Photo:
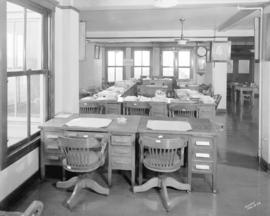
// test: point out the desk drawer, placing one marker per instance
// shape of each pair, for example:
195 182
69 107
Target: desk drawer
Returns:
50 141
202 167
121 162
53 159
52 136
85 134
120 151
122 140
202 155
202 143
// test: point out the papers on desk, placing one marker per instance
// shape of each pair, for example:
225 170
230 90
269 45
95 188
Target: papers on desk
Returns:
89 122
63 115
168 125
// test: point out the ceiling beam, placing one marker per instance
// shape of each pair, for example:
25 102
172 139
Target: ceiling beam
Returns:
234 19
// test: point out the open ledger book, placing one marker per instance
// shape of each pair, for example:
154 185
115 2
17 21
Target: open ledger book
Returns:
168 125
89 122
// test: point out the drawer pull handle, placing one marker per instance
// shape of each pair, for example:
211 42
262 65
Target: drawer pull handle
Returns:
51 147
202 155
52 136
202 167
202 143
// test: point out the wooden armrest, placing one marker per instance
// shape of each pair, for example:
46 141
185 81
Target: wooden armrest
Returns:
35 209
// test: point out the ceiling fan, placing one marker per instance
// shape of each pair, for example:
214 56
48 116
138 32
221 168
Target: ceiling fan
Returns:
182 40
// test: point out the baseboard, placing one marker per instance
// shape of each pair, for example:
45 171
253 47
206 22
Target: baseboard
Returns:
264 165
16 194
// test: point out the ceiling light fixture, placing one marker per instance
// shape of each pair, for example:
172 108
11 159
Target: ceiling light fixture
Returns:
182 40
165 3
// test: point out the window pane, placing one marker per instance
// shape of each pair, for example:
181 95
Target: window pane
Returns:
33 40
111 58
168 72
118 74
15 37
17 109
137 72
137 58
184 58
167 58
146 71
119 58
146 58
111 74
37 102
183 73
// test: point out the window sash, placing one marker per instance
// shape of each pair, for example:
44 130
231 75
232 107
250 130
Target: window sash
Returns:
176 64
16 151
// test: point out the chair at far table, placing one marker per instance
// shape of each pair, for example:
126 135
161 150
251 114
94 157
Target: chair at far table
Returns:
34 209
136 108
162 155
91 108
82 155
183 110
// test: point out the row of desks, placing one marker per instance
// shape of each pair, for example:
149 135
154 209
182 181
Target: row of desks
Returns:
123 138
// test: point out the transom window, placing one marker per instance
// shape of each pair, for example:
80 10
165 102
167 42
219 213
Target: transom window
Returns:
115 65
177 64
141 63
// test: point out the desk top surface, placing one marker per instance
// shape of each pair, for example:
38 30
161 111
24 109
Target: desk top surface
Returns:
199 126
133 124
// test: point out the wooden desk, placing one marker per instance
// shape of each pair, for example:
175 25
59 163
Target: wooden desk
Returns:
202 151
121 138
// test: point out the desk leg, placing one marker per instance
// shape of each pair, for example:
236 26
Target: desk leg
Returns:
235 96
141 166
189 163
241 97
109 166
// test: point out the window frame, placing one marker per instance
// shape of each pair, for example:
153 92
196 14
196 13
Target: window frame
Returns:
176 66
107 66
11 154
150 60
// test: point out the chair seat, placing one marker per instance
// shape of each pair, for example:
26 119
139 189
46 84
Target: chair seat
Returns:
154 163
92 163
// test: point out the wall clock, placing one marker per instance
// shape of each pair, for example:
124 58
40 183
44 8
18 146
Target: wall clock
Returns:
201 51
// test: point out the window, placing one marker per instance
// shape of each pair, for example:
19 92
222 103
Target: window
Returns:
24 76
115 65
168 63
177 63
141 63
184 65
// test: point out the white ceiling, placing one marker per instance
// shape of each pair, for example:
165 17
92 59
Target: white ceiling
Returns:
142 15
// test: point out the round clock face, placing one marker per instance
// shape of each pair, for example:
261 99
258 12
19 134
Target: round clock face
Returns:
201 51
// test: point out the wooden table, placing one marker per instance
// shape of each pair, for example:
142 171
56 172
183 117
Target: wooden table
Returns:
202 151
241 89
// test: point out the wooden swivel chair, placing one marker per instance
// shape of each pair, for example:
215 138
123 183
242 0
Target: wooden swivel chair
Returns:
34 209
183 110
82 155
91 108
136 108
162 155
